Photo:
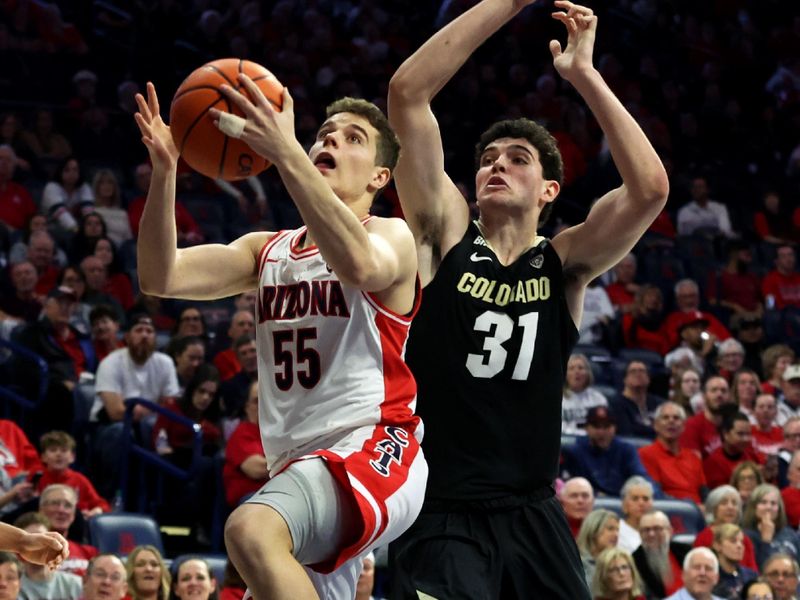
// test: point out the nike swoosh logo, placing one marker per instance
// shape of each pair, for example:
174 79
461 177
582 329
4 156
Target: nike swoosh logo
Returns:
474 257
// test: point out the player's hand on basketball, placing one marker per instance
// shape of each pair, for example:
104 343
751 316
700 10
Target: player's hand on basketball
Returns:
155 133
44 548
267 130
581 24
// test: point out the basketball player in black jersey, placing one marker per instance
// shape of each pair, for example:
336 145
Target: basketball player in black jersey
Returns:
499 318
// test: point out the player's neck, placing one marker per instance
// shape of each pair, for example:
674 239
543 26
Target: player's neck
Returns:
508 238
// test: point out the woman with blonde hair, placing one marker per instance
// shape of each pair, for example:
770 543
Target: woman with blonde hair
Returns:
729 548
774 361
685 386
745 477
615 576
579 395
600 530
745 388
108 204
148 575
766 525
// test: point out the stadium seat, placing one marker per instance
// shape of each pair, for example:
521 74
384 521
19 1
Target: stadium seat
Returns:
216 562
609 503
122 532
636 442
684 515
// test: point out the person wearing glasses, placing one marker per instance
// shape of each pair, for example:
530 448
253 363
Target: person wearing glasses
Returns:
616 577
658 560
43 581
780 571
58 503
105 579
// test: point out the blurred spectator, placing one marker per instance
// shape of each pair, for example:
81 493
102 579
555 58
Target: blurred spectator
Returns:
749 331
781 287
41 253
637 499
105 331
767 435
19 251
745 478
730 359
744 388
736 288
579 395
190 322
85 97
702 213
72 277
108 204
599 456
724 505
22 304
700 576
246 468
366 581
233 586
233 190
59 503
58 453
642 326
622 291
791 444
48 146
635 406
736 447
188 353
701 435
693 335
577 498
677 470
148 575
193 580
157 309
772 223
136 371
105 579
791 492
597 314
67 196
657 559
242 323
790 403
615 576
599 531
234 391
11 134
764 522
41 581
687 302
781 572
96 275
686 387
775 359
91 227
189 232
68 354
18 461
10 574
118 283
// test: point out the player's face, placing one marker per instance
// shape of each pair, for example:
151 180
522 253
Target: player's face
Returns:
344 152
510 174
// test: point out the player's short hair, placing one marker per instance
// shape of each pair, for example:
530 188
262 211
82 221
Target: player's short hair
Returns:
387 144
57 439
545 144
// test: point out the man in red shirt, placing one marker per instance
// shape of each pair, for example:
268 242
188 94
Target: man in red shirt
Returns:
701 435
58 503
226 361
677 470
41 254
791 493
781 287
737 447
687 300
577 498
622 291
767 436
16 205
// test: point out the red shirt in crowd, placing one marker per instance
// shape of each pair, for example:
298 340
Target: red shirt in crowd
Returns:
79 557
227 364
636 336
244 442
16 205
767 442
679 475
180 436
184 221
784 288
700 435
719 465
47 280
706 538
676 318
88 498
17 454
618 294
791 501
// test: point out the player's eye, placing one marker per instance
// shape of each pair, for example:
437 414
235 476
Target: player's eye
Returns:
355 139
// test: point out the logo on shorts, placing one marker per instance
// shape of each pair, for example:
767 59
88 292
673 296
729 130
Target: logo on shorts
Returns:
390 450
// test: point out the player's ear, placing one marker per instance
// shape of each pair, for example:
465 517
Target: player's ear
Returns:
550 189
380 178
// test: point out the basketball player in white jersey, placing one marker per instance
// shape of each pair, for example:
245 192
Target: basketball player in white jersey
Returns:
335 301
507 302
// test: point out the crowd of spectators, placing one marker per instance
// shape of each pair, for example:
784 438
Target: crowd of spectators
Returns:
685 380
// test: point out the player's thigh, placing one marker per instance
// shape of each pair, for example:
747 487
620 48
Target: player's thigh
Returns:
540 557
445 556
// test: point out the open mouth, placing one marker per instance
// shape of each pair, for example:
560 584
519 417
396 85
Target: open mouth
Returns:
324 162
496 182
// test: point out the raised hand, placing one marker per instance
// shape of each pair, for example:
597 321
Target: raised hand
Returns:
155 133
267 130
581 24
44 548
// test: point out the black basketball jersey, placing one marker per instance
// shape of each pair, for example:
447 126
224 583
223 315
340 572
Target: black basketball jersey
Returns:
489 348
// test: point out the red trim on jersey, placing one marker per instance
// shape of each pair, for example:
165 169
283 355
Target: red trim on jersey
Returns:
262 254
372 299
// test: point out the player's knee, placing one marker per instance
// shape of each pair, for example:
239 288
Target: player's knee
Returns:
255 530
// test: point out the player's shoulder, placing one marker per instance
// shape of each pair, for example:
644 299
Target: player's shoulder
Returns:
254 241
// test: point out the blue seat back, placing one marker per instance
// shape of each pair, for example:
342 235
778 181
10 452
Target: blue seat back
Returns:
121 532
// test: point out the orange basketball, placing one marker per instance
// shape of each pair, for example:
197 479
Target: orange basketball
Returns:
204 147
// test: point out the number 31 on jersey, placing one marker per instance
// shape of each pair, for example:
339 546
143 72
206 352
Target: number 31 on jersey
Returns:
485 367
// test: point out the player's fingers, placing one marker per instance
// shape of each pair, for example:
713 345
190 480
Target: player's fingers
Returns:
152 99
143 108
144 126
568 22
254 91
288 101
240 100
555 48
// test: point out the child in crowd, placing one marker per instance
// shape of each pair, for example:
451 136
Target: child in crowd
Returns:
58 453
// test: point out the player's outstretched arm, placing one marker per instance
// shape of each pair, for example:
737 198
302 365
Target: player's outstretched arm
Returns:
375 258
620 217
433 206
203 272
41 548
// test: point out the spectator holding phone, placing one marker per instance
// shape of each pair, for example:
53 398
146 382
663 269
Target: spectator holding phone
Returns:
18 459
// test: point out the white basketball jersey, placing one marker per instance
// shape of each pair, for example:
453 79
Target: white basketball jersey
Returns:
330 357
